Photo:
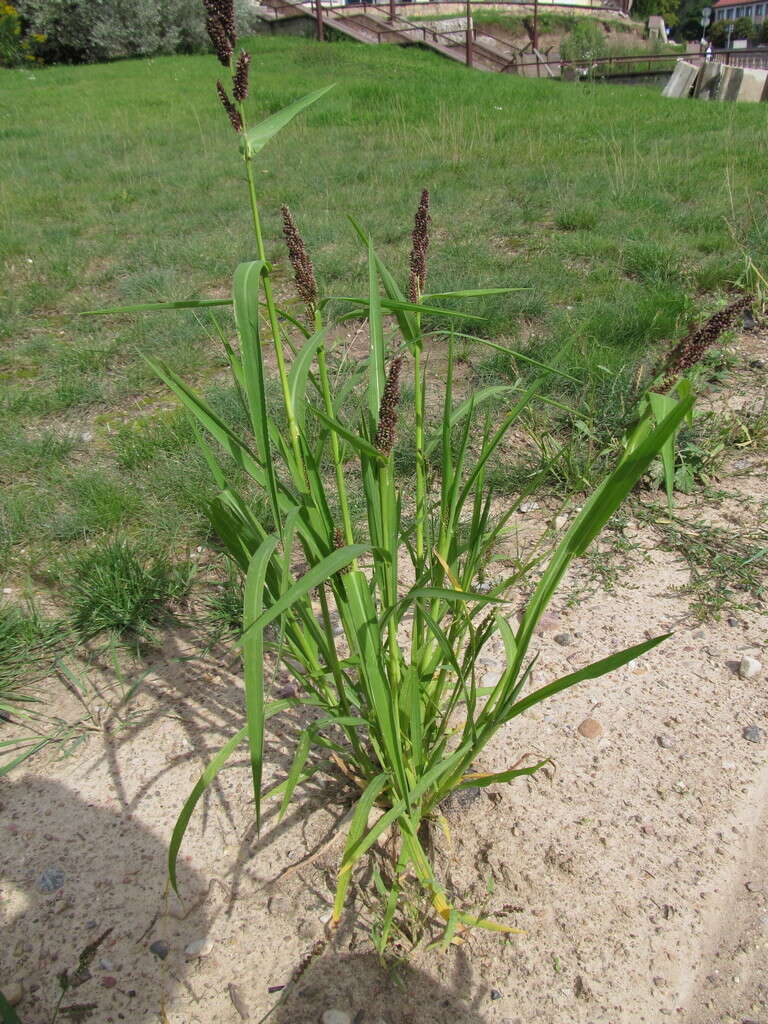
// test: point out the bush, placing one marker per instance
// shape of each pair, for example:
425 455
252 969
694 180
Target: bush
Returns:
83 31
718 33
745 28
16 48
584 43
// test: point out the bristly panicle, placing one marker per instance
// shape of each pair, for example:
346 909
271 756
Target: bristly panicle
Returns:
240 78
418 261
303 271
220 25
231 109
688 352
385 432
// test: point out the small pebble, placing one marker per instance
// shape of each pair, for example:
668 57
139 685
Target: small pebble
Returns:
51 880
198 948
560 522
106 965
665 741
336 1017
13 992
495 994
160 949
749 667
590 729
753 734
563 639
529 506
108 981
733 622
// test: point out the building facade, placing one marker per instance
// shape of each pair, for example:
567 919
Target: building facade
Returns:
726 10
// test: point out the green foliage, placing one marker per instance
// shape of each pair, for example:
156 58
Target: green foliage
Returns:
584 43
717 33
668 9
118 589
745 28
16 46
27 642
389 667
81 31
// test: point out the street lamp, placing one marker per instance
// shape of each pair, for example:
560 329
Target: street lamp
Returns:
469 34
706 14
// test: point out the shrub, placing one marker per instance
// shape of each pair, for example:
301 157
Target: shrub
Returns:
584 43
378 606
745 28
16 47
82 31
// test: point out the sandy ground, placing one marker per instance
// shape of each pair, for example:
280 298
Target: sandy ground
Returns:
638 868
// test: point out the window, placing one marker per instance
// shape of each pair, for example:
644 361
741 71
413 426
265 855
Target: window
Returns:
759 10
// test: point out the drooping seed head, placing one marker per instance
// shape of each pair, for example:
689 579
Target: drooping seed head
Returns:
688 352
420 239
240 78
385 432
303 271
220 25
232 111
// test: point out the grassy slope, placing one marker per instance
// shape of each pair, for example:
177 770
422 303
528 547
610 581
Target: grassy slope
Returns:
619 210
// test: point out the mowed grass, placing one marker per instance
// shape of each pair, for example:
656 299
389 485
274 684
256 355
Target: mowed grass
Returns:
620 213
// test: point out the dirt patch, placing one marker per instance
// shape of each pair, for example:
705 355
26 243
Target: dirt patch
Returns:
636 868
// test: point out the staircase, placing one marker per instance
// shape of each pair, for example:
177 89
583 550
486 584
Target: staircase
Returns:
488 52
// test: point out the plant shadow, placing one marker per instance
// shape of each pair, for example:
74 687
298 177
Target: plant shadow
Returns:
71 871
370 992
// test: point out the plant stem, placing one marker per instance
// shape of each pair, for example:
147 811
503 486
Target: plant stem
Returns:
341 485
269 301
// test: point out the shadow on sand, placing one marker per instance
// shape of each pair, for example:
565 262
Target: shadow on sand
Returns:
68 872
358 984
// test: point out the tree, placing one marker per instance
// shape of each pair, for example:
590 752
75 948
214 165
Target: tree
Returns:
668 9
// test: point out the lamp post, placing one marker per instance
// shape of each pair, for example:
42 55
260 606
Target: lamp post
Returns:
706 14
319 19
469 33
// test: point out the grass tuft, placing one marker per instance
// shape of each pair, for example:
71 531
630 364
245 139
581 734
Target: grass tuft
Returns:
115 588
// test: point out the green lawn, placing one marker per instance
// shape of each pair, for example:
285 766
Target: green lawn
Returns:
621 213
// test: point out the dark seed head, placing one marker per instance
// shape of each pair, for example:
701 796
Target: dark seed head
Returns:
232 112
420 238
220 25
240 79
385 432
690 351
303 271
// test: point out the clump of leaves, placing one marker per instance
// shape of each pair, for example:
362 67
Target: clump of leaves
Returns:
377 614
118 589
27 645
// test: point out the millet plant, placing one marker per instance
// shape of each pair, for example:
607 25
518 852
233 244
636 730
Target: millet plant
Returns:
395 705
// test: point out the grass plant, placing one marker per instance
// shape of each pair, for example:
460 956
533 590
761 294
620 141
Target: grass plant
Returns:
114 588
557 191
393 693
